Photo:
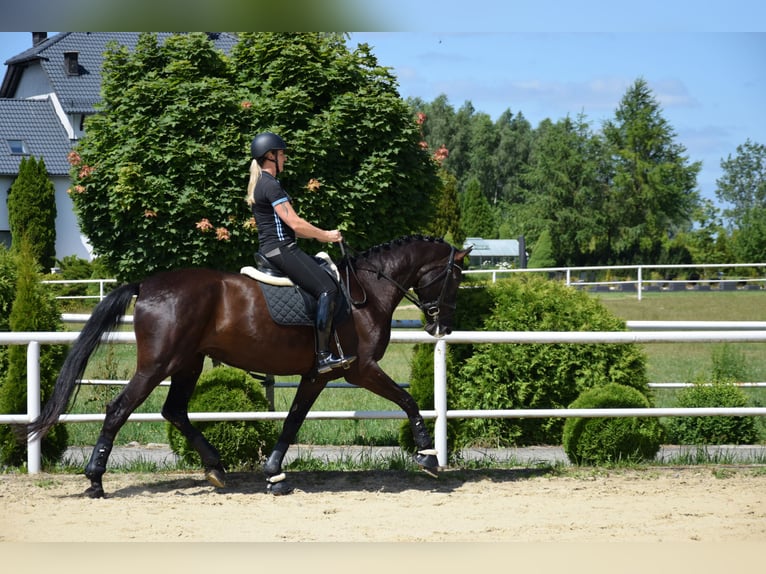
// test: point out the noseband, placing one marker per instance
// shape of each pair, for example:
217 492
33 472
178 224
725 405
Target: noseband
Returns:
432 308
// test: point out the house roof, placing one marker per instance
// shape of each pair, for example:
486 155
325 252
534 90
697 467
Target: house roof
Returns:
492 247
79 93
35 123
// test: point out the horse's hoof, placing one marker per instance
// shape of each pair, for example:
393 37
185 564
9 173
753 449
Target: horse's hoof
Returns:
428 463
94 491
279 488
216 477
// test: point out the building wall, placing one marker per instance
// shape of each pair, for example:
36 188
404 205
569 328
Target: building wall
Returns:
69 240
34 82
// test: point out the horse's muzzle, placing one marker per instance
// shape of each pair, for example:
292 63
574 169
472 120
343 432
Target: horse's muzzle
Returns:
437 330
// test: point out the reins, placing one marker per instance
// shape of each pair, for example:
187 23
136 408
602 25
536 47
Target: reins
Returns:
430 308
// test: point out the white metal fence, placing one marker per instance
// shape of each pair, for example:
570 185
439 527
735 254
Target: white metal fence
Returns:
638 278
632 278
751 333
100 282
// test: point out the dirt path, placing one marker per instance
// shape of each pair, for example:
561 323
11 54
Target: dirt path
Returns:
708 504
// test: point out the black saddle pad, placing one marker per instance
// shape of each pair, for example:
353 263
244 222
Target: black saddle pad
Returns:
291 305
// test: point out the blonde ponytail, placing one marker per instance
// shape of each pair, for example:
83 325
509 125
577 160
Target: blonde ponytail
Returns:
255 175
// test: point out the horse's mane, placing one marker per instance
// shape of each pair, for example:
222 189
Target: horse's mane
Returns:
395 243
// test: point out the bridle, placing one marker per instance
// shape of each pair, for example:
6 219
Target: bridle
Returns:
430 309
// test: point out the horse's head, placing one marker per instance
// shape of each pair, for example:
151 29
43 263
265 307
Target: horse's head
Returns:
436 290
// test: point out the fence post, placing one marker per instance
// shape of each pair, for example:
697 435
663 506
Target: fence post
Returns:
640 286
34 442
440 400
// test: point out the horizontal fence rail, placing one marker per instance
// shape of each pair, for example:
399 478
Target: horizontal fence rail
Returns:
440 413
101 287
635 277
629 278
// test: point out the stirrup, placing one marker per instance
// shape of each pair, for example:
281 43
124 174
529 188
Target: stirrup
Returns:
326 362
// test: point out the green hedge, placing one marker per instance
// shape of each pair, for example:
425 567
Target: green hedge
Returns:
712 429
526 376
597 441
241 444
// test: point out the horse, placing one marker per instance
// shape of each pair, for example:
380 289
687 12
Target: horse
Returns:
183 316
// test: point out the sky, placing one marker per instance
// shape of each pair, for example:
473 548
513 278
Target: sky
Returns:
711 87
710 83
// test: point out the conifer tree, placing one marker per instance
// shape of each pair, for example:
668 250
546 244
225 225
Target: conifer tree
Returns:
32 210
33 310
478 218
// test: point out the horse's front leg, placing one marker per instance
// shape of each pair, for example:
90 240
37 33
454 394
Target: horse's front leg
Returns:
374 379
307 393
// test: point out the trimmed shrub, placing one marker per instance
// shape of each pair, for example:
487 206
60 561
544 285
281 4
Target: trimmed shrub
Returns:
597 441
241 444
539 376
712 429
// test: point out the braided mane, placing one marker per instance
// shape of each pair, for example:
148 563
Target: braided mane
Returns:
394 243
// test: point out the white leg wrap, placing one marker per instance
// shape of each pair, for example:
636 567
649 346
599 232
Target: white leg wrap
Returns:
428 452
276 478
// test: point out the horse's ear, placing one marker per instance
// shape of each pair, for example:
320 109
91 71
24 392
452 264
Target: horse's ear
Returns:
460 255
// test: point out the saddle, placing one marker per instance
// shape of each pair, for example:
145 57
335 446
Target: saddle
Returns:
288 304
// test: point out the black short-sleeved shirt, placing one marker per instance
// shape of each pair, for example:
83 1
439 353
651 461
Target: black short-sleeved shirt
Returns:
272 231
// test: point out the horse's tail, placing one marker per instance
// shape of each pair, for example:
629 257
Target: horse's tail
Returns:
104 318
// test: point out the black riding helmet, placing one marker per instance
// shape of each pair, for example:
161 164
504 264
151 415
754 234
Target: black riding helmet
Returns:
264 143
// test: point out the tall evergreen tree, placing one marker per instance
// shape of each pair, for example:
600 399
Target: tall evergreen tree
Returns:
33 309
511 157
566 181
446 223
32 210
653 190
478 218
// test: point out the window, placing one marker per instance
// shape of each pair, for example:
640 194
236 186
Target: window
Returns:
18 146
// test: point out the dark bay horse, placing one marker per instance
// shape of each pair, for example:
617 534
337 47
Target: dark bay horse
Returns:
182 316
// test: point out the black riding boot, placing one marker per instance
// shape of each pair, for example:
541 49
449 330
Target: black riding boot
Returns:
326 361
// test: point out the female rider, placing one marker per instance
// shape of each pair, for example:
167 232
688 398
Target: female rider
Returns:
278 226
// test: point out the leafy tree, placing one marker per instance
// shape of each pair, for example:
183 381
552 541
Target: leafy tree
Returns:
707 240
653 189
346 127
32 210
743 183
749 239
160 176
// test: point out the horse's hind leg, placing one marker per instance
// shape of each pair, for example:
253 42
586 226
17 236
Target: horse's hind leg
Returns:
176 411
305 396
117 413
